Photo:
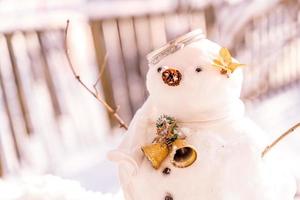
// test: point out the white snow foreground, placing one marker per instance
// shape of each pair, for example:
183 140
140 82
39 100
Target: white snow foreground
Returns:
49 187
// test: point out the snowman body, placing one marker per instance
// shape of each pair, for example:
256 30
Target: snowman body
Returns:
210 114
228 167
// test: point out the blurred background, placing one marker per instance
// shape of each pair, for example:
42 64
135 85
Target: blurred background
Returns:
50 124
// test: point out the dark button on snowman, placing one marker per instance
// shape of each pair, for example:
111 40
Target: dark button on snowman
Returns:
166 171
193 126
168 197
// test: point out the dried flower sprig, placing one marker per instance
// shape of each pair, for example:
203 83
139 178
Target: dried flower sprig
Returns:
166 130
225 63
95 93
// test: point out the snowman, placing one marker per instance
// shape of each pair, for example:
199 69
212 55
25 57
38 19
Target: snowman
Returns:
190 140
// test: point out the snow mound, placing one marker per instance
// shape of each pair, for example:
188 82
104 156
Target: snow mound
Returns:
49 187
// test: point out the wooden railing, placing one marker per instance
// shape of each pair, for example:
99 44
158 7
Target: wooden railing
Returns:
21 68
270 46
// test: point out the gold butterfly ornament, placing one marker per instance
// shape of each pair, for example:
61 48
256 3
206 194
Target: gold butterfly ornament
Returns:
224 62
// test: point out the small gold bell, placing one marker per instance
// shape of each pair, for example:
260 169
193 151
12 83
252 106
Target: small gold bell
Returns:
182 155
156 153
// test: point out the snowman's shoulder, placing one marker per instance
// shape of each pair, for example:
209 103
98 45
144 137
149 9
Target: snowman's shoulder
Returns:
252 131
248 136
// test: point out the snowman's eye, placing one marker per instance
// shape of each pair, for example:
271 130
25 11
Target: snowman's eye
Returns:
159 69
198 69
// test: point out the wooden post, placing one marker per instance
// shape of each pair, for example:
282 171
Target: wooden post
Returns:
1 170
100 52
18 82
48 76
10 120
125 68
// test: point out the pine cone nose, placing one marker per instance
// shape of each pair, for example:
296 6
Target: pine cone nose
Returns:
171 77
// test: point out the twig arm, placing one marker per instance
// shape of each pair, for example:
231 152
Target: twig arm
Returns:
269 147
95 94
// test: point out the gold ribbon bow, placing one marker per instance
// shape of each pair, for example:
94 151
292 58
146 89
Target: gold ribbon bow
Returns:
225 63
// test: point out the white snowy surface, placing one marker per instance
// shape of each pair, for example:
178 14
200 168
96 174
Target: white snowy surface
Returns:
91 168
84 176
49 187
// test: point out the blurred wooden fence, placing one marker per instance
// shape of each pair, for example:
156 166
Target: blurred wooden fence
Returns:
40 98
42 110
270 46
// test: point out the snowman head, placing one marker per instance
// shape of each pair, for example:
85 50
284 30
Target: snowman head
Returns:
185 82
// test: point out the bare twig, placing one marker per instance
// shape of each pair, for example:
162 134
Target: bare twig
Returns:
269 147
94 94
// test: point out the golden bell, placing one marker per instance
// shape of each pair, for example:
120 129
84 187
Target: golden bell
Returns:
156 153
182 155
